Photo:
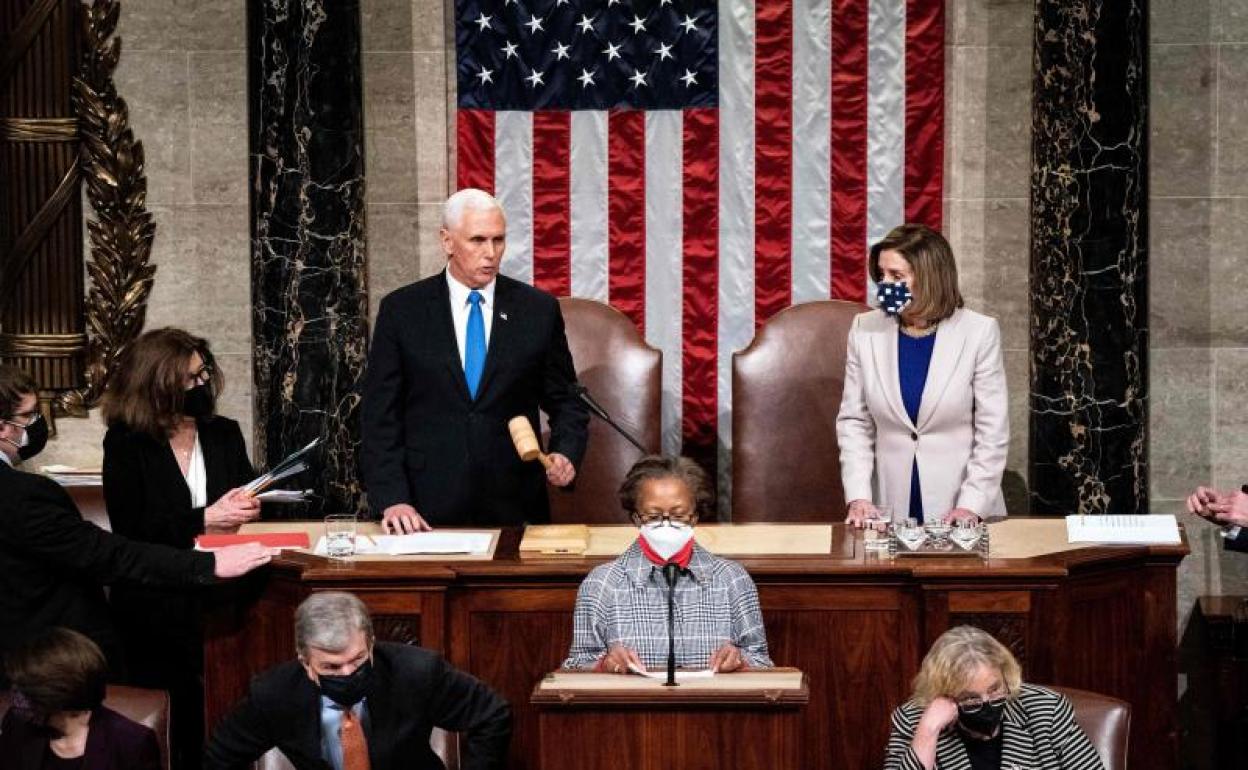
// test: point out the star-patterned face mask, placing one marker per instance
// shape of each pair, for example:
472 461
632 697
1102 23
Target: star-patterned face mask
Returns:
893 297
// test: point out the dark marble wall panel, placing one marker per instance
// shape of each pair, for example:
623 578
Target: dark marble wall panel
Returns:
1089 258
307 224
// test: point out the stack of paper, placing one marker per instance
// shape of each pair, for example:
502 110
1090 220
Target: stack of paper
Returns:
1159 529
68 476
285 496
418 543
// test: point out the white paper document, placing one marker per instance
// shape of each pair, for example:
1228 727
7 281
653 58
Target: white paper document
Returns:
418 543
681 676
1159 529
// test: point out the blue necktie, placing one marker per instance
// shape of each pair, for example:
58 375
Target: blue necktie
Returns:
474 344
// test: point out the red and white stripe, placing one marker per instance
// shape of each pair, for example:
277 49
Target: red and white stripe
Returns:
701 224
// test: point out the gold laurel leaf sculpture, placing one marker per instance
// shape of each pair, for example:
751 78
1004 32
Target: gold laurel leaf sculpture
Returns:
116 186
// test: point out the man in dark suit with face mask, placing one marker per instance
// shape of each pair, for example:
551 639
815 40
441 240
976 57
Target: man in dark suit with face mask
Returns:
53 564
349 703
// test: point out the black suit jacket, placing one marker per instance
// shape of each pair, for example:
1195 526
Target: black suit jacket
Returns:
53 565
428 444
113 743
414 691
145 491
148 500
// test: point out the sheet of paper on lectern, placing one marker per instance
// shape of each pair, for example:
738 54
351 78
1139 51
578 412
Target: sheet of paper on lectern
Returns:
681 676
722 539
419 543
1155 529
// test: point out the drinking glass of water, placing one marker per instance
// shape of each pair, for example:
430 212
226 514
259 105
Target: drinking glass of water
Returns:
938 534
340 535
875 528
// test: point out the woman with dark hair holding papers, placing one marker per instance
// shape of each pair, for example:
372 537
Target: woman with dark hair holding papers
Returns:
620 621
173 469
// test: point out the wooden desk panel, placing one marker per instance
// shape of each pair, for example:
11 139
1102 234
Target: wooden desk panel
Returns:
1101 619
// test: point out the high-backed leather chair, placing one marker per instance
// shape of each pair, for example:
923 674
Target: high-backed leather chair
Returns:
90 501
445 745
1106 720
147 707
786 392
622 373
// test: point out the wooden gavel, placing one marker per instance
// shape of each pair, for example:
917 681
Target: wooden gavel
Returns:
525 439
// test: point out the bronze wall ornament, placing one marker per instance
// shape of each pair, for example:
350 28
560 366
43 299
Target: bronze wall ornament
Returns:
122 232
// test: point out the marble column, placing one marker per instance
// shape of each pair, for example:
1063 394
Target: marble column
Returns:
1089 258
309 300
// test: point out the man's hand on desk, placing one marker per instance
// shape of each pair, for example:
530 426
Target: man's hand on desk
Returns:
401 519
617 659
727 658
236 560
858 512
561 471
960 514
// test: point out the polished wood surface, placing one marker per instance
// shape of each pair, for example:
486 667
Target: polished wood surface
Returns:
1100 619
690 727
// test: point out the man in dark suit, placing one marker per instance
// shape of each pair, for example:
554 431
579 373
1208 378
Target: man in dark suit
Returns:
454 358
53 565
1227 508
348 703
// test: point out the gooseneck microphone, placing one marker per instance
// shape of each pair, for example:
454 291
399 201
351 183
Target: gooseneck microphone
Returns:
582 393
671 573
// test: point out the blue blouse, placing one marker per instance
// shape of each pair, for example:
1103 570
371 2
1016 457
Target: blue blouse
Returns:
914 358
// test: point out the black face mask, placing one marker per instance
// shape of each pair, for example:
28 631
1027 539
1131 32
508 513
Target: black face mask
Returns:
986 719
198 402
36 440
349 689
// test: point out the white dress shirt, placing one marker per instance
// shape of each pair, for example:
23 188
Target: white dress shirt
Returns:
460 307
197 476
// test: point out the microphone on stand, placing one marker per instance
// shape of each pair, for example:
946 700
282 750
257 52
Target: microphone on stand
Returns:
582 393
671 573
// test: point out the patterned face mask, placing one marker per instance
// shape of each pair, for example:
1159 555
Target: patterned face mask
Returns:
893 297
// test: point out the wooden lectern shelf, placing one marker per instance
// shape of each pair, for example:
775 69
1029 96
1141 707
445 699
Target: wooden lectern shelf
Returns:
776 686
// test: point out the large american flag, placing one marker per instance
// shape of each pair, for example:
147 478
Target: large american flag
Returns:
701 166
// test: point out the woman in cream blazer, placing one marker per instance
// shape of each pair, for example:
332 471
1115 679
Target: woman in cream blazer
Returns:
925 396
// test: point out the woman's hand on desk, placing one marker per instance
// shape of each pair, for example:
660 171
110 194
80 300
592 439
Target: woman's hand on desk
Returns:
234 509
727 658
858 512
960 514
618 658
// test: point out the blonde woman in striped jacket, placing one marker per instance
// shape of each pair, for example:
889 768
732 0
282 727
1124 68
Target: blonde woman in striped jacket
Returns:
971 711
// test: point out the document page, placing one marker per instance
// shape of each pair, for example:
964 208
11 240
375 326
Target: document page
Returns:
681 676
1159 529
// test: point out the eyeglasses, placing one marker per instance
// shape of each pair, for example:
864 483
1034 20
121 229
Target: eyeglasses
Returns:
678 516
203 376
973 705
31 419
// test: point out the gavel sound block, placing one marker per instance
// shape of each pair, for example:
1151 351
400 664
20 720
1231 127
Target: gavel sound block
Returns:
525 439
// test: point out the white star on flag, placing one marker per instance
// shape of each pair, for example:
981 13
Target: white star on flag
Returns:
560 51
483 21
586 78
688 78
534 78
612 51
688 23
585 24
638 24
664 51
509 50
639 78
534 24
485 76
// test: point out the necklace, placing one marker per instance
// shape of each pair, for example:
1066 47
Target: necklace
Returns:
916 333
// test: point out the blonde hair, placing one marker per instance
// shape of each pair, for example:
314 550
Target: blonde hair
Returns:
936 293
954 660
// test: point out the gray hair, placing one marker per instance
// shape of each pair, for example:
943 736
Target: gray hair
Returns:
469 198
327 620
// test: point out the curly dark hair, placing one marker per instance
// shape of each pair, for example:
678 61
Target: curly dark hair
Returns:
146 392
654 467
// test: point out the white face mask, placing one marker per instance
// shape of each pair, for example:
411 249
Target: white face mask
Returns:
666 537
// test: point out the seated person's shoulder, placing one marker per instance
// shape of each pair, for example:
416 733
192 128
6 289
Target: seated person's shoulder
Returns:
907 714
126 733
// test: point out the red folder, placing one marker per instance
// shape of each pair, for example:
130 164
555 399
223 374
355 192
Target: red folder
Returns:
269 539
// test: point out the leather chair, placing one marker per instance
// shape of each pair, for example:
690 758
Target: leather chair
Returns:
445 745
622 373
90 501
1106 720
786 392
147 707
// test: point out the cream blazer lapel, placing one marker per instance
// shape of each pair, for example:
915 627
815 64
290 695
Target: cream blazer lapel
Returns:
946 354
